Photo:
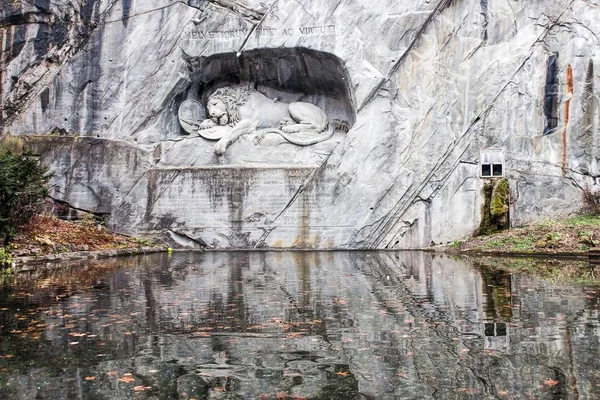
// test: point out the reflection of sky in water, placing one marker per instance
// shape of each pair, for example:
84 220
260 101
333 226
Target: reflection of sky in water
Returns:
310 325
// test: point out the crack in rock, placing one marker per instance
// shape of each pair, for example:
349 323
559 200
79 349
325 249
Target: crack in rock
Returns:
234 7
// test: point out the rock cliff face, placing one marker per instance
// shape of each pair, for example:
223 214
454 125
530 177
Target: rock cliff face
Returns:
425 101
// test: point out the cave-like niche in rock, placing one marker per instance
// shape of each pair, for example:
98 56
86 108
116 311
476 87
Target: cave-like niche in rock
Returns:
282 75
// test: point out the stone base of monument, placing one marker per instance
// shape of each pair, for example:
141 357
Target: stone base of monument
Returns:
235 207
209 206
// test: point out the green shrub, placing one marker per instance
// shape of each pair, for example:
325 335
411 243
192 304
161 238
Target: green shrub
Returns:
22 187
5 259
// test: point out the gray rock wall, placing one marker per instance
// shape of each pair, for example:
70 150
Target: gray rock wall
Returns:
424 87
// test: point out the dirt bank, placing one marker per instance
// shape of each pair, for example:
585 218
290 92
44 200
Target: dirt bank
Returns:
47 237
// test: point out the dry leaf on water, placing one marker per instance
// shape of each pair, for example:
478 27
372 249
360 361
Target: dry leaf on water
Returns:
127 379
550 382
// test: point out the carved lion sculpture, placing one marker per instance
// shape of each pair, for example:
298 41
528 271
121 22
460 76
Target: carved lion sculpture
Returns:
248 111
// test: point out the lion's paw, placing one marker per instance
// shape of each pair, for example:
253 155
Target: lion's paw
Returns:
259 138
207 124
220 148
289 129
285 122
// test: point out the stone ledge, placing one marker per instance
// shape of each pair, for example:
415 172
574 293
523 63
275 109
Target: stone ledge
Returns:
30 263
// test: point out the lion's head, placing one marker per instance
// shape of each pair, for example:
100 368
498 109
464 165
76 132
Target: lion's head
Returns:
224 104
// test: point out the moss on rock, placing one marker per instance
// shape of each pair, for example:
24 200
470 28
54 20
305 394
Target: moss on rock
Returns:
499 202
495 213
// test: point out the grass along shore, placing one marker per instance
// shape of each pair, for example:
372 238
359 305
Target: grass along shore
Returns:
575 235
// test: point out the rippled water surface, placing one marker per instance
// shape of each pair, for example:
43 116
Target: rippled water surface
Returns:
297 325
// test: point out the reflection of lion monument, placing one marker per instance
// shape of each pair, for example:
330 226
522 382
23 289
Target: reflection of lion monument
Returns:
247 111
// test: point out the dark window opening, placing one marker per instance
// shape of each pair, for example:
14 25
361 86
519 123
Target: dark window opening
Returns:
486 170
492 170
495 329
497 169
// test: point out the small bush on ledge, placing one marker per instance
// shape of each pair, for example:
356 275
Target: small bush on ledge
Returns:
5 258
590 202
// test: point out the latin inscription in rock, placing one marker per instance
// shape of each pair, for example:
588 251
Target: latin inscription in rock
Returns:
241 33
221 196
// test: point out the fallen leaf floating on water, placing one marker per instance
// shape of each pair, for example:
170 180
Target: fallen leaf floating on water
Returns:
89 378
343 373
127 378
141 388
550 382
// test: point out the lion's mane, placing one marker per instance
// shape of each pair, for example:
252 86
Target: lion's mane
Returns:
233 97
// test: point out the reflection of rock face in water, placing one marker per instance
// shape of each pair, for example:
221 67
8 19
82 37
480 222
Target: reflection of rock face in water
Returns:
316 325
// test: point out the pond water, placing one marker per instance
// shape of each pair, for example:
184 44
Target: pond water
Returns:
295 325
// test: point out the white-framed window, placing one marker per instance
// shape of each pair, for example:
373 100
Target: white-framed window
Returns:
491 162
495 336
